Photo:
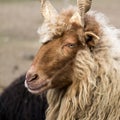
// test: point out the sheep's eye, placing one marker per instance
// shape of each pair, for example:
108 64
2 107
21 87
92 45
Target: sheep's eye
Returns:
71 45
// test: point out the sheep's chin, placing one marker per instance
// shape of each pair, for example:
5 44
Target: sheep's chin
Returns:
39 91
42 87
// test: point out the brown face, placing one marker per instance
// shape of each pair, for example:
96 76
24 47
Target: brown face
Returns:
52 66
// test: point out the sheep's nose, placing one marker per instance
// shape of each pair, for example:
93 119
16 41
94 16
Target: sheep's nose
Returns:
31 75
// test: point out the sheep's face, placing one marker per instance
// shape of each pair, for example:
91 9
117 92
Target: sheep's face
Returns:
54 62
69 33
52 66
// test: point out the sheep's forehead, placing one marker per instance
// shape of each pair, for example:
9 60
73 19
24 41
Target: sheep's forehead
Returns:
56 26
49 29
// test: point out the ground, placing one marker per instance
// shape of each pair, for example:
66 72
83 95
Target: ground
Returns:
19 21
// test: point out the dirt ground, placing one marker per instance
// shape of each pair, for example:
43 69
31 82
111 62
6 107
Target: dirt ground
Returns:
18 37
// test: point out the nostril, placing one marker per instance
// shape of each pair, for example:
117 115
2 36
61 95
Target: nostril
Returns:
31 77
34 77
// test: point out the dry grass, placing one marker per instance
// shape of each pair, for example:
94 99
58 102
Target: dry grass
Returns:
18 38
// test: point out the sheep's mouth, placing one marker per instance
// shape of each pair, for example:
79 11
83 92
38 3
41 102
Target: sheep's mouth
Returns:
38 88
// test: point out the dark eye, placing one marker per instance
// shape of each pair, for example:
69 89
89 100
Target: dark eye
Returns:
71 45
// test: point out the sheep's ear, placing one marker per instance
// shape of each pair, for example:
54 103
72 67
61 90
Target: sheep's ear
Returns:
91 39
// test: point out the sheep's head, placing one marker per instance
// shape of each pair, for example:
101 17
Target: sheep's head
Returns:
53 64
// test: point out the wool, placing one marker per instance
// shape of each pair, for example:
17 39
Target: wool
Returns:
95 91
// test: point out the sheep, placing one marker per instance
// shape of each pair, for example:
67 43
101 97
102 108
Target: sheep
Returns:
16 103
78 64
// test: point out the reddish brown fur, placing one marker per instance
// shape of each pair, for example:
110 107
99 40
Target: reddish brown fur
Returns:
55 58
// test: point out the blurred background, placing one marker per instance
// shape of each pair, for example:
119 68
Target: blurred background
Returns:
19 21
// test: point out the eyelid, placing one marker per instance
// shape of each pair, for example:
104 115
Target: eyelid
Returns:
71 45
46 42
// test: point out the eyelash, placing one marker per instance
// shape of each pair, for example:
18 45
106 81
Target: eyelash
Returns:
70 45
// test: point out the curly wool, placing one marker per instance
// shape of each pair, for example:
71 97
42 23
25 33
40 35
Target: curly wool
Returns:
95 92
